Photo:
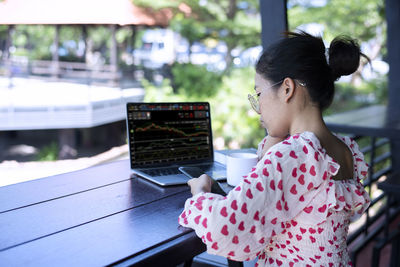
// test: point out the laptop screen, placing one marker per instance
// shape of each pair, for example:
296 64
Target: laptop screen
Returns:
167 133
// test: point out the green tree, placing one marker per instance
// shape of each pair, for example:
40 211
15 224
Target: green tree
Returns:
234 22
360 19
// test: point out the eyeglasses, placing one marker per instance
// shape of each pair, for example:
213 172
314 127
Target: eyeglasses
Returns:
253 98
255 104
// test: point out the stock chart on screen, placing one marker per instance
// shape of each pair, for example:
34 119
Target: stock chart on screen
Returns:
167 133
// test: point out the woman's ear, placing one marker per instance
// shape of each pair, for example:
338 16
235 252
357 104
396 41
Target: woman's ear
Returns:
289 87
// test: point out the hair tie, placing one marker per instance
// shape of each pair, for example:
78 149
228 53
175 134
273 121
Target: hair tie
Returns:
327 55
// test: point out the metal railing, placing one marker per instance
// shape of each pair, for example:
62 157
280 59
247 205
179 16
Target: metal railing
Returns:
60 70
378 156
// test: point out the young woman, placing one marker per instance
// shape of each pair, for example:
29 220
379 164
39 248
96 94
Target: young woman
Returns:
295 206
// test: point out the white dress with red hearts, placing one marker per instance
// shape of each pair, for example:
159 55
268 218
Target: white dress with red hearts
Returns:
287 211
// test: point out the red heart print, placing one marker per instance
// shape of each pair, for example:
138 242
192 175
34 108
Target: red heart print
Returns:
321 249
358 192
234 205
197 219
302 230
223 212
325 176
274 220
278 154
310 186
253 229
291 264
293 154
263 220
341 198
279 262
312 170
210 208
299 237
224 230
320 230
278 167
254 175
256 216
316 156
244 208
313 260
235 239
296 248
272 184
305 150
232 219
303 167
278 205
247 249
198 206
271 260
312 230
259 187
312 239
204 223
215 245
301 179
294 223
265 172
301 198
308 209
208 236
293 190
267 161
294 172
238 188
280 187
329 254
286 207
232 254
322 209
241 226
261 241
290 235
249 194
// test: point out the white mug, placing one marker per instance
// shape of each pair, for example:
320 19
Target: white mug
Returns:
239 165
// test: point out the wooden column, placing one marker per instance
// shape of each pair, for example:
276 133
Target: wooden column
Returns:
393 46
273 20
55 58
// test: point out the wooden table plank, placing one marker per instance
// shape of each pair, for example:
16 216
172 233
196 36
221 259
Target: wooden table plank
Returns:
70 211
31 192
107 240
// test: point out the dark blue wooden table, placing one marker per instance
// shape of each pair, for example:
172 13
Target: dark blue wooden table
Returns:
94 217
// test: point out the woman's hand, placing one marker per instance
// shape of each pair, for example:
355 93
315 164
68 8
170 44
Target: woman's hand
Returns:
201 184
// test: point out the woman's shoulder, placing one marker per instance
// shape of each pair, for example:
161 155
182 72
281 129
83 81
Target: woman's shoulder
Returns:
297 145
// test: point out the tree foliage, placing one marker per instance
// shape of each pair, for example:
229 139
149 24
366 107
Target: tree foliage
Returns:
360 19
237 23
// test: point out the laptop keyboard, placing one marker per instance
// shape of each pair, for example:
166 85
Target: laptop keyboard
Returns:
214 170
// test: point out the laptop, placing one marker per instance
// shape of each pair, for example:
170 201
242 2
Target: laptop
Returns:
165 136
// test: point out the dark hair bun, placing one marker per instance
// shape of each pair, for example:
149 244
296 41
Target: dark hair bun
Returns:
344 56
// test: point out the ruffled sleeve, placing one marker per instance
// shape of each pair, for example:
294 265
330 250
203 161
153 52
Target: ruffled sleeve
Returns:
279 188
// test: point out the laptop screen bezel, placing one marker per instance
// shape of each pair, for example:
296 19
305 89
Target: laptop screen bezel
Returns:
176 163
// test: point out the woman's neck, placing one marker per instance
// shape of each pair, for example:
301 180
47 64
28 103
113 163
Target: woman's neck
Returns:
309 120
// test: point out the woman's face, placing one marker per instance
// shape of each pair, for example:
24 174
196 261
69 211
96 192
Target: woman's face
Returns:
273 110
